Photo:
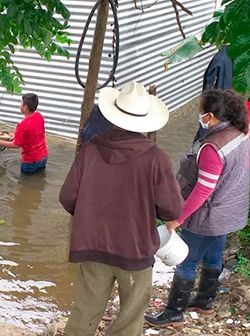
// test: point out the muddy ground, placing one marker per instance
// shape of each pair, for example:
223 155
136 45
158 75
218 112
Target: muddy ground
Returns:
231 315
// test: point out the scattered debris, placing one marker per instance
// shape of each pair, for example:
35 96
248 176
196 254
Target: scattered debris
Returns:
152 332
246 325
194 315
157 303
223 290
229 321
225 275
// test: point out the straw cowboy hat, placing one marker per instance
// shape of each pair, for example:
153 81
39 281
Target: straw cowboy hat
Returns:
132 108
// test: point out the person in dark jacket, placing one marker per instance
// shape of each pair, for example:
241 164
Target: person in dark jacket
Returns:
119 183
214 180
218 75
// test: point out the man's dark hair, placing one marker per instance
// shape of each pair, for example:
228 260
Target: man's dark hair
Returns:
30 100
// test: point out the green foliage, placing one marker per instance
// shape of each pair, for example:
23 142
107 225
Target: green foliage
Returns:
229 27
244 235
232 29
38 24
190 46
159 222
233 310
243 266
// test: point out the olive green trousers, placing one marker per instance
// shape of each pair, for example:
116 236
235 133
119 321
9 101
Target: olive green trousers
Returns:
93 287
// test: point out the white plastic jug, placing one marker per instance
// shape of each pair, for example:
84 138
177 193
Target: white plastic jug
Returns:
173 250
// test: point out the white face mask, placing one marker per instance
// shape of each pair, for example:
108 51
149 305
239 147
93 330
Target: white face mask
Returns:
203 125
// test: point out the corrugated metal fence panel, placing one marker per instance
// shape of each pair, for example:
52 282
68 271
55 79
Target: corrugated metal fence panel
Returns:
143 37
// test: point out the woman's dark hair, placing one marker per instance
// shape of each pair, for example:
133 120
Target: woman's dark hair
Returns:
30 100
226 106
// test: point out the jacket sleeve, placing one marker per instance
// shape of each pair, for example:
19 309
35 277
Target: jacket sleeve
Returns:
168 199
211 74
70 188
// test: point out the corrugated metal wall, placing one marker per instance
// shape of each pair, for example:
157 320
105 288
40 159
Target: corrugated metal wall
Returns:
144 35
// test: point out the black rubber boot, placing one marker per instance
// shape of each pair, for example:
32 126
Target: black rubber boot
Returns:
177 302
203 301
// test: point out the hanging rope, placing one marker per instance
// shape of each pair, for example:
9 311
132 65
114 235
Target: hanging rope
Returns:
113 6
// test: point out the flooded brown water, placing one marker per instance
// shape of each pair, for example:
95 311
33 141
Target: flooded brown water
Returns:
35 276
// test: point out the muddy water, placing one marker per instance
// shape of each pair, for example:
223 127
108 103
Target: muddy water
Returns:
35 277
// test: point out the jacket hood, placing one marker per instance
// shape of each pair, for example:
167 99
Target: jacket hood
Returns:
118 146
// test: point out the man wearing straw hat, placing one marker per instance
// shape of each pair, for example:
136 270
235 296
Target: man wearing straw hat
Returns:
118 185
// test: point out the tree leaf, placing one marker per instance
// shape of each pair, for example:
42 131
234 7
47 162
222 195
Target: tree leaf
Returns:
247 78
243 11
225 1
183 51
12 48
241 72
2 221
218 13
239 46
240 84
241 62
20 18
27 27
211 32
61 9
12 9
6 55
62 52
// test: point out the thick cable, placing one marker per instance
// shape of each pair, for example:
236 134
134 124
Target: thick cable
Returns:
117 42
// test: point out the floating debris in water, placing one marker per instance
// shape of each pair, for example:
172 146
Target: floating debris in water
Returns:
8 263
23 286
31 313
8 243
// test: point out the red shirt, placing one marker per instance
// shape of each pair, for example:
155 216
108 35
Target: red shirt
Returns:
247 105
30 136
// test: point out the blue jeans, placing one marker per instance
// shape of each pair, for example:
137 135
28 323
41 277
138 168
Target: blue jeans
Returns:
31 168
205 249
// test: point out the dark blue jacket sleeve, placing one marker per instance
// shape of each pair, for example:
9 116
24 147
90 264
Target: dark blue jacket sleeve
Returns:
96 125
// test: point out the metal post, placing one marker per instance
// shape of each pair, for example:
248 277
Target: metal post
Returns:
94 67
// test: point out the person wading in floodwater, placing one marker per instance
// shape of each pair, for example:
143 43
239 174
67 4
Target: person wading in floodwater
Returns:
29 135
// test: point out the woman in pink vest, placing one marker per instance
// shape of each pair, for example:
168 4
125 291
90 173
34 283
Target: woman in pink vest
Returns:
214 180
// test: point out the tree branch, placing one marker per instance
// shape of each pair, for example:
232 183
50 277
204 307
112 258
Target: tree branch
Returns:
176 3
